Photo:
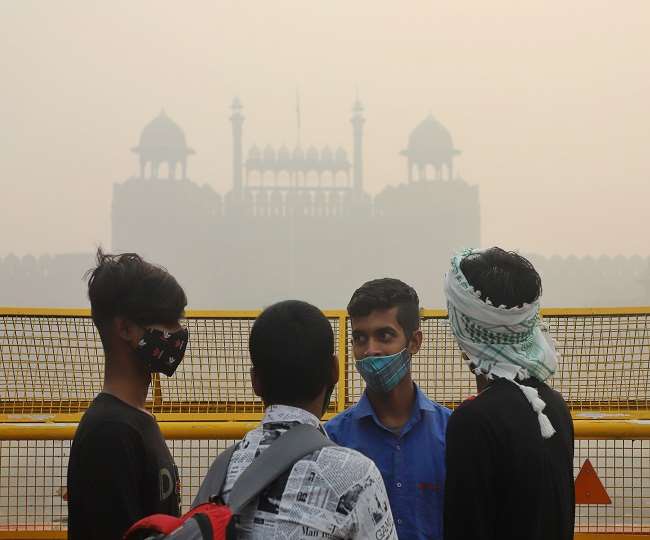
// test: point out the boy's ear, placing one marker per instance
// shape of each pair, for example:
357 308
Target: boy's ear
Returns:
335 369
415 342
127 330
122 328
256 383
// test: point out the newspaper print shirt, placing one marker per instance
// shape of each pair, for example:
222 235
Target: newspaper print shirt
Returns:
332 493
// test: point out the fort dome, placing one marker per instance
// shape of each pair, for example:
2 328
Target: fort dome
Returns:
430 141
162 141
430 146
163 132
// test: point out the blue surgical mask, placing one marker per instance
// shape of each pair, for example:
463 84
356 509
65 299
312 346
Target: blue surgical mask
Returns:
383 373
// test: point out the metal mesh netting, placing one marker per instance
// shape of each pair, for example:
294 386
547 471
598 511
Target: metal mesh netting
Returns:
32 486
54 365
605 363
33 482
623 467
51 365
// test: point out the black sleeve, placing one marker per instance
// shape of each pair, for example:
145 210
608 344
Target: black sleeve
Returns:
112 466
470 499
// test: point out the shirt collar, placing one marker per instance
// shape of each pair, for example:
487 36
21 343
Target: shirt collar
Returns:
364 408
423 402
286 413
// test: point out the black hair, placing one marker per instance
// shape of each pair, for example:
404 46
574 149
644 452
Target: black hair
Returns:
386 293
291 346
504 277
127 286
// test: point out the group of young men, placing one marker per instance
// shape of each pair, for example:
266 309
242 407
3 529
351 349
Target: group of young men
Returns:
396 465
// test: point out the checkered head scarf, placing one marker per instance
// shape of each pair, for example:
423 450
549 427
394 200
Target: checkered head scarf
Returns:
510 343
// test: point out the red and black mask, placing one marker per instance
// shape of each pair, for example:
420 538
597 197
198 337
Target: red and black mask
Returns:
162 351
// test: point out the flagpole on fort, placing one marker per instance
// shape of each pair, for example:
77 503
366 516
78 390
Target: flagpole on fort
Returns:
292 211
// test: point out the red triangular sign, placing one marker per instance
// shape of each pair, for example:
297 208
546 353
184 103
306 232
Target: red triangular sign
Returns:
589 488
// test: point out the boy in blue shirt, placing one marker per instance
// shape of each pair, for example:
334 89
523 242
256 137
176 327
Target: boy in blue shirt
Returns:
394 423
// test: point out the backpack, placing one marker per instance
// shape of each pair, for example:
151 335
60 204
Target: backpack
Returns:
212 520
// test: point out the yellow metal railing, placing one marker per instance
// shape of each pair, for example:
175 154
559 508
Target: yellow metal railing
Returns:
228 430
51 367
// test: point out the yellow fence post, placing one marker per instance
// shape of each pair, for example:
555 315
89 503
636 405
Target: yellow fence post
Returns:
343 365
156 390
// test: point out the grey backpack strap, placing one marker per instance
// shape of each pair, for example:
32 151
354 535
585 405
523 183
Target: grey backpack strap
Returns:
216 478
283 453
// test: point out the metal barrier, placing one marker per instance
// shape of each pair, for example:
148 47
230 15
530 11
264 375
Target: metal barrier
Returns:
51 367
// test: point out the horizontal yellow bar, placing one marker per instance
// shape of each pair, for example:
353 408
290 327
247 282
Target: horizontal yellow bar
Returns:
33 535
189 314
611 414
73 418
567 311
245 314
563 311
44 312
170 430
433 313
612 429
584 429
33 417
206 430
332 313
610 536
222 314
210 417
37 431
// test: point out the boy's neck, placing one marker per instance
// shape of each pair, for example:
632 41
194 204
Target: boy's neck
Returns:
394 408
125 383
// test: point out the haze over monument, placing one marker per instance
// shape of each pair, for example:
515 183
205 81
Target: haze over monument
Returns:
297 217
548 104
293 217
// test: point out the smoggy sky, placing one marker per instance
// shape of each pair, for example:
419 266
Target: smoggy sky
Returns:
548 101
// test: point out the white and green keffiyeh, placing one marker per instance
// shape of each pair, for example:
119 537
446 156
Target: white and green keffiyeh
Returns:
509 343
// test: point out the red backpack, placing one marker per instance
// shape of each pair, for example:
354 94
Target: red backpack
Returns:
210 519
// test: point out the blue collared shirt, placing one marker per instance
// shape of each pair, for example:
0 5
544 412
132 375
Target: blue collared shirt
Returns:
412 463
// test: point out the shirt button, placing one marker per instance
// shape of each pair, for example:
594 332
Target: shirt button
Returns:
399 484
399 521
398 447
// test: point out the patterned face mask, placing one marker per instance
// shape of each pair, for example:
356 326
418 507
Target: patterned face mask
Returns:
162 351
383 373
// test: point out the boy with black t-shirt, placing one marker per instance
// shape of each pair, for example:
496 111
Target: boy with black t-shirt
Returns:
120 468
